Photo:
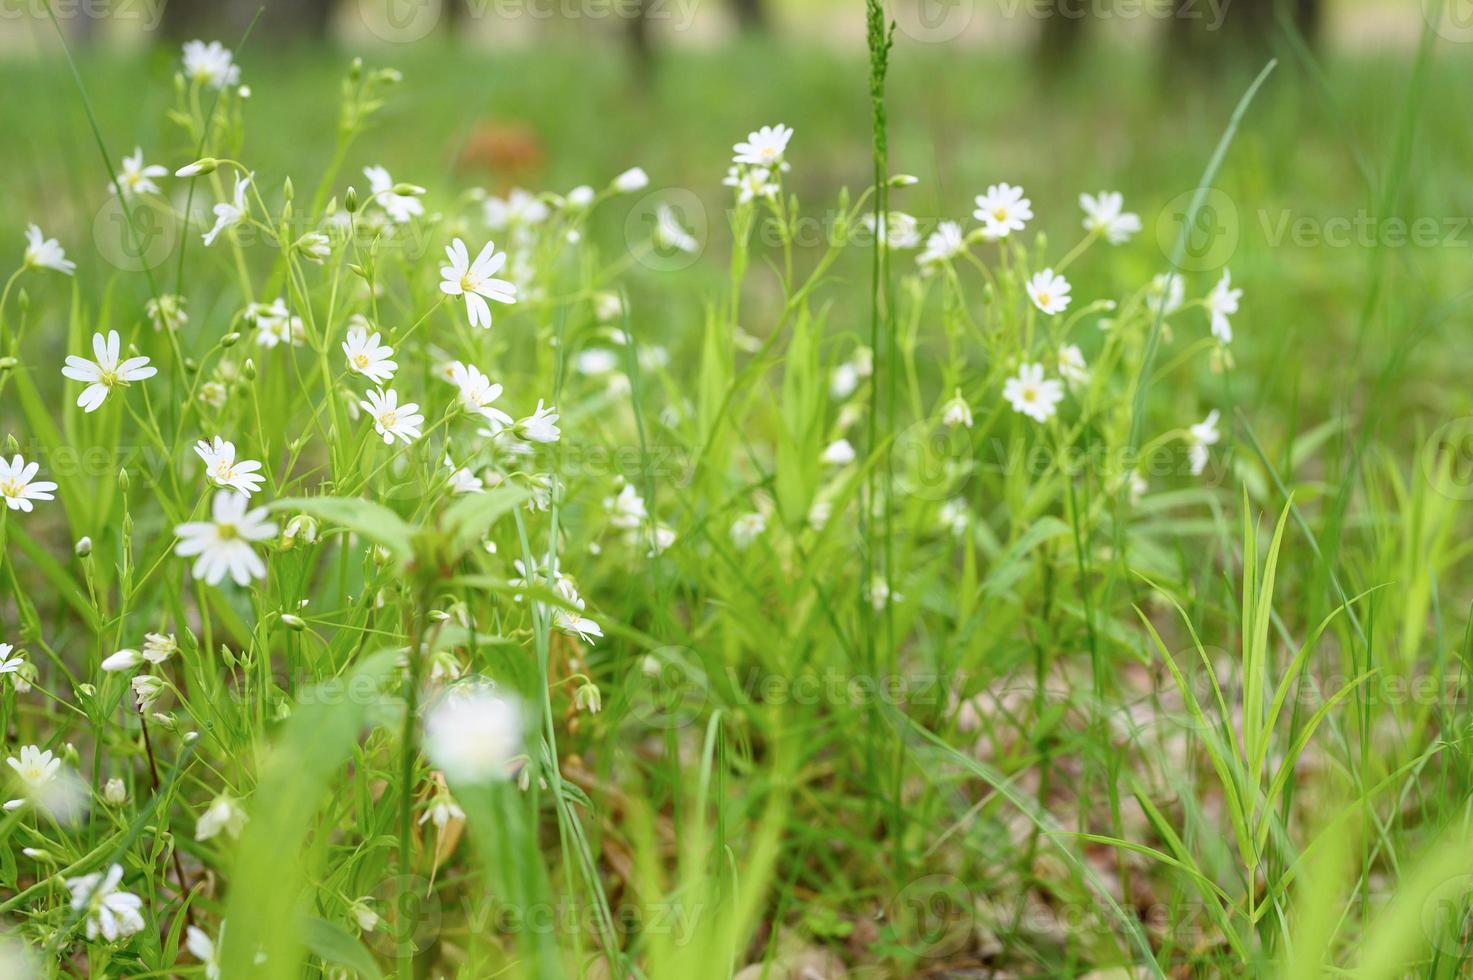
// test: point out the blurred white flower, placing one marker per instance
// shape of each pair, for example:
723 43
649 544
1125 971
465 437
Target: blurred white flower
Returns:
1002 211
18 486
747 529
670 234
205 949
1049 291
224 544
477 394
957 412
631 180
1105 214
135 177
1203 434
224 813
1165 294
110 912
230 213
46 253
1072 366
1222 303
1033 395
474 735
210 64
401 208
626 511
475 280
106 373
750 182
943 244
764 147
838 453
898 229
519 208
166 312
540 426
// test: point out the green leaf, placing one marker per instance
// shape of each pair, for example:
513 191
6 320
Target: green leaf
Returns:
332 943
374 521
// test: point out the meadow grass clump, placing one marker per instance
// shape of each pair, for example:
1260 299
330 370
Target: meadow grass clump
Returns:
392 590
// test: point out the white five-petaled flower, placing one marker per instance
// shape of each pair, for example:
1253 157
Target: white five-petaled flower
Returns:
764 147
16 486
477 394
957 412
1105 214
626 511
943 244
1049 291
46 253
225 543
898 229
205 949
106 373
1072 366
9 664
1030 393
223 470
366 356
838 453
1203 434
747 528
1222 303
441 811
1165 294
166 312
474 735
275 324
399 207
669 233
475 280
541 425
210 64
462 480
136 177
1002 211
111 913
392 420
230 213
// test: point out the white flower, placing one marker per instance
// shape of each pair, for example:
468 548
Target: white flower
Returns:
746 529
473 736
1222 302
222 469
669 232
957 412
115 792
580 197
46 253
314 246
210 64
136 177
275 324
1105 215
1002 211
477 393
224 813
954 516
224 543
147 689
596 361
838 453
462 480
943 244
572 621
35 768
1049 291
106 373
441 811
392 420
764 147
661 538
9 664
401 208
541 425
898 229
111 913
474 280
1138 485
1032 395
204 949
518 208
1163 299
121 661
819 514
750 182
1203 434
229 214
16 488
846 377
1072 367
158 647
166 312
366 356
607 306
631 180
627 510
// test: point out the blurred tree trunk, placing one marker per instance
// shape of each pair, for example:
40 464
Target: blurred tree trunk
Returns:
751 15
226 20
1062 35
1220 29
641 46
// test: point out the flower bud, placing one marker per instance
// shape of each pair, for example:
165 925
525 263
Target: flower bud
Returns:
292 622
122 660
115 793
230 339
83 547
408 190
350 200
123 480
904 180
200 167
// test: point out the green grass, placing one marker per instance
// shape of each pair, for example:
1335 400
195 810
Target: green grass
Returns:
1219 730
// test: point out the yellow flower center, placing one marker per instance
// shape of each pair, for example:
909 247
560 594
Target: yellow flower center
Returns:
1001 214
387 420
10 488
227 532
468 283
360 361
